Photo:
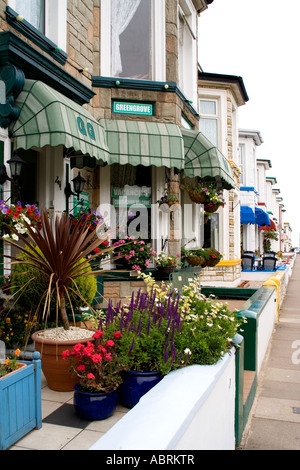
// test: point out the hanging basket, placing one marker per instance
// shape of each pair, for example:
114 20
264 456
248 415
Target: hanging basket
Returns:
195 260
197 196
211 209
211 262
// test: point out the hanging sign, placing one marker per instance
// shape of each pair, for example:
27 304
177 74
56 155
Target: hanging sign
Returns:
83 203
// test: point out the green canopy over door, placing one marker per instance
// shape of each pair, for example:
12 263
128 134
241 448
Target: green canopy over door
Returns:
144 143
47 117
203 159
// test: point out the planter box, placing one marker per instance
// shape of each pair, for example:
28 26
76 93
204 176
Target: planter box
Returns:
20 402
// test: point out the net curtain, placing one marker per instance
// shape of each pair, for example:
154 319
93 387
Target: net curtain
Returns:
120 19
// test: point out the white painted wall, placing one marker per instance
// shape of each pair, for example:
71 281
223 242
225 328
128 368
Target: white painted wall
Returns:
191 408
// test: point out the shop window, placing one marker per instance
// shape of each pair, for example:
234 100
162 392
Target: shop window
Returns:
131 199
135 35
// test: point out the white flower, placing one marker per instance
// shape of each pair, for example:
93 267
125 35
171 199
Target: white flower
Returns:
14 236
187 351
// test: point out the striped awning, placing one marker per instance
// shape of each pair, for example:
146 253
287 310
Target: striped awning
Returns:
47 117
144 143
204 160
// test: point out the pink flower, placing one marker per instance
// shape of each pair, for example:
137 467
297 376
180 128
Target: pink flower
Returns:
132 252
96 358
117 335
146 262
142 249
108 356
109 343
90 376
135 267
81 367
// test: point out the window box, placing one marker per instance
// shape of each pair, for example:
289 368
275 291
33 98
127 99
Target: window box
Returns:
20 402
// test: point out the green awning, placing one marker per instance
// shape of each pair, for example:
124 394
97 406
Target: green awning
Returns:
47 117
144 143
203 159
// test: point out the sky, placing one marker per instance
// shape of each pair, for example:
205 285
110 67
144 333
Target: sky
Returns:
259 40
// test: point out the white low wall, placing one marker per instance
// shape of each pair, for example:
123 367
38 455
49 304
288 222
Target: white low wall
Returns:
266 323
192 408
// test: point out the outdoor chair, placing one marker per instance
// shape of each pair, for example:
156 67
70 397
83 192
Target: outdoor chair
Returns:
249 253
247 262
268 254
268 263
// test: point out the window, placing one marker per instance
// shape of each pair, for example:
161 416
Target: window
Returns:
187 49
242 164
49 17
131 39
211 232
33 11
208 123
135 35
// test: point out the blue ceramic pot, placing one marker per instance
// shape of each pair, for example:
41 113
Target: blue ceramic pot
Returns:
135 385
94 406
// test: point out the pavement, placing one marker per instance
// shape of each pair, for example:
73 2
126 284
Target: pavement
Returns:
274 423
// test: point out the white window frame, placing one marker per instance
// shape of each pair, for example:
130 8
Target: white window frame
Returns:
219 96
187 54
55 21
158 39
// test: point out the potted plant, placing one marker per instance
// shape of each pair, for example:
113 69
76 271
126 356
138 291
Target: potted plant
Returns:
198 193
58 257
149 328
16 380
98 367
133 253
166 264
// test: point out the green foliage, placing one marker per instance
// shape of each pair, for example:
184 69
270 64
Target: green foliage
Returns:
29 286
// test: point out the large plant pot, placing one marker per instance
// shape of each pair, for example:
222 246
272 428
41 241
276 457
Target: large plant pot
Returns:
55 368
94 405
135 385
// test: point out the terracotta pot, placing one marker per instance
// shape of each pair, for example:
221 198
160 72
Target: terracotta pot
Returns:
55 369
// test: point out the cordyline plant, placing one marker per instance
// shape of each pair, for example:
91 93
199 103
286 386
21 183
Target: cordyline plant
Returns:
149 329
59 253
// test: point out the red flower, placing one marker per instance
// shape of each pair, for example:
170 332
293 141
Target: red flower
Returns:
98 334
117 335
